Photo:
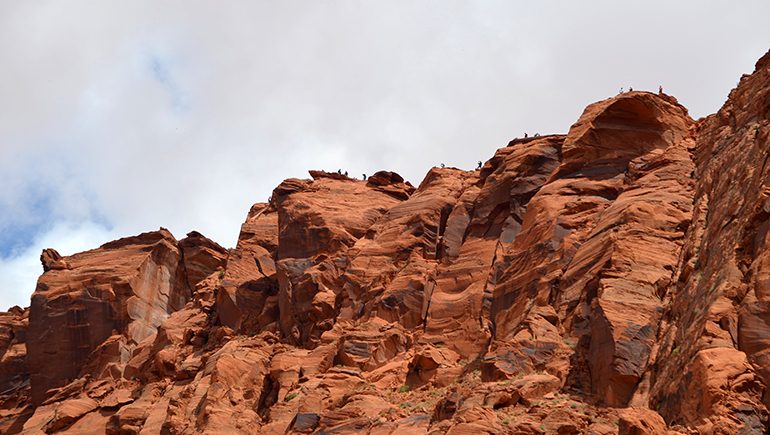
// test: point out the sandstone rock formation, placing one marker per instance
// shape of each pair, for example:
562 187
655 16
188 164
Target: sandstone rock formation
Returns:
613 280
125 289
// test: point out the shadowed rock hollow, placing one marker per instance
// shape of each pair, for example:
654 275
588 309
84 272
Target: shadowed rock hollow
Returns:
611 280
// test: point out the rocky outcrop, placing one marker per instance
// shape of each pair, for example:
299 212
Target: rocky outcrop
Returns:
127 287
711 366
607 281
201 256
597 243
15 406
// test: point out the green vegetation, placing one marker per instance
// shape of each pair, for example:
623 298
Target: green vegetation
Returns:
221 273
403 388
290 396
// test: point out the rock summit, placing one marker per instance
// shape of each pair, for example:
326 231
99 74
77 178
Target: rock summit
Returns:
613 280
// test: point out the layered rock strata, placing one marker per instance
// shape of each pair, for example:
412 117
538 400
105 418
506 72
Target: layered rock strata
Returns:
611 280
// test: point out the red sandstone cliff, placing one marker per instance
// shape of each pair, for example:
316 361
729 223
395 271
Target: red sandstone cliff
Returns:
611 280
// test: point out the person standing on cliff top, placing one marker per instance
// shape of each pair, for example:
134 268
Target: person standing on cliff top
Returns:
621 91
630 89
660 89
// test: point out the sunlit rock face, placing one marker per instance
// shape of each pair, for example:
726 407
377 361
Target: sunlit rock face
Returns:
613 280
129 287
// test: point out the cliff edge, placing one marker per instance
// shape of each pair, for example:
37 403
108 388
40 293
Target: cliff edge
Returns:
613 280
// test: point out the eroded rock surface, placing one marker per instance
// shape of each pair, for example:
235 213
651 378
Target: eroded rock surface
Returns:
128 287
613 280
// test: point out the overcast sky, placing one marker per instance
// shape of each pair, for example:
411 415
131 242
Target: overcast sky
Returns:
117 118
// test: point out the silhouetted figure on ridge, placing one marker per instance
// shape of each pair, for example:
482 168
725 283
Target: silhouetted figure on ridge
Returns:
525 135
364 177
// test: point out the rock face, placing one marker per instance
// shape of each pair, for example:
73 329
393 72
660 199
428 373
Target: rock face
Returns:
613 280
711 369
15 406
127 287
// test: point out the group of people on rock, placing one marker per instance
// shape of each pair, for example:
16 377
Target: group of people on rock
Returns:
477 167
630 89
339 171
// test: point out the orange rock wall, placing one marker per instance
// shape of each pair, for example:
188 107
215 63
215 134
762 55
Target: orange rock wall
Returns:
613 280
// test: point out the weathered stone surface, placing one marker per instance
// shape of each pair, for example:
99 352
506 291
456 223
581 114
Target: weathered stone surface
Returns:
614 280
14 371
711 370
129 285
641 421
325 215
201 257
598 239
